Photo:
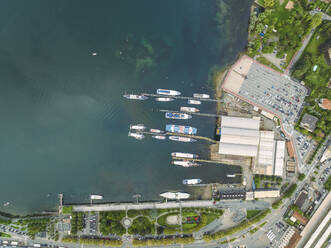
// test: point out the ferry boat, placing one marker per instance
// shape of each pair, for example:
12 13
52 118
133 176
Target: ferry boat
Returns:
181 129
135 97
164 99
96 197
177 116
181 139
198 95
183 155
160 137
155 130
168 92
175 195
230 175
185 163
138 136
191 181
189 109
139 127
195 102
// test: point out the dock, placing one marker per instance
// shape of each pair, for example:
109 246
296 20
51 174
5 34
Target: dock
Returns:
195 113
199 160
183 97
180 134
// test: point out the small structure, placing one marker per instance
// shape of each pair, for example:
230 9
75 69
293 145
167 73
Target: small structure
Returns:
325 104
326 154
289 5
290 150
290 167
315 67
264 193
309 122
300 201
303 220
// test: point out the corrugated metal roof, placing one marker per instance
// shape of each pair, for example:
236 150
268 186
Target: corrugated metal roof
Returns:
279 160
237 149
238 122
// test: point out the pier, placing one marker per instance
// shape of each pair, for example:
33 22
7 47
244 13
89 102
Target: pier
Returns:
198 160
195 113
180 134
183 97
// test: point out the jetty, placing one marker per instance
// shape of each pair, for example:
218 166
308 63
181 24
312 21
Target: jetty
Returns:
180 134
195 113
183 97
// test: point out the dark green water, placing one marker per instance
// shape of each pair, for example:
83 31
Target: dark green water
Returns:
64 122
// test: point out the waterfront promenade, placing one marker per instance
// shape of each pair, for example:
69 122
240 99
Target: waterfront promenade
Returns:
140 206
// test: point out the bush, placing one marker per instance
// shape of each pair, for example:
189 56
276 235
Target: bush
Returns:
301 177
277 203
327 184
289 192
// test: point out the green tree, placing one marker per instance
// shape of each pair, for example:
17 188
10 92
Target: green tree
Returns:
269 3
316 20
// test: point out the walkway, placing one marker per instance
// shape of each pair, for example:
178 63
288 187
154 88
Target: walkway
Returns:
140 206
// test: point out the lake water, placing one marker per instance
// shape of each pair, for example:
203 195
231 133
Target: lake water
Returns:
64 122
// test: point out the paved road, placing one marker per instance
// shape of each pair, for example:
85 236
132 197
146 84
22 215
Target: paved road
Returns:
250 205
324 15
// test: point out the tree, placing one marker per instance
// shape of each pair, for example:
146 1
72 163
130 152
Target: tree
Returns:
301 176
269 3
316 20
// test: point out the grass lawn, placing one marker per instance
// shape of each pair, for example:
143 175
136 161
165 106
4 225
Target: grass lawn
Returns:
141 226
253 230
67 209
252 213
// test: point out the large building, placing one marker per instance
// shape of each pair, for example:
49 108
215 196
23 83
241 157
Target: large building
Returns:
265 159
309 122
239 136
279 158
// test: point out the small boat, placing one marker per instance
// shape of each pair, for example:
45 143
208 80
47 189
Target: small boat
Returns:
230 175
175 195
191 181
185 163
160 137
96 197
183 155
139 127
164 99
167 92
195 102
197 95
181 129
138 136
181 139
155 130
189 109
6 204
177 116
135 97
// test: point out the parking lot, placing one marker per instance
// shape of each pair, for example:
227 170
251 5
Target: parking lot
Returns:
11 230
303 145
276 233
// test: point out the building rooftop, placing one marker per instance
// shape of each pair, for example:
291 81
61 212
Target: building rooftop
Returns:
325 103
300 201
303 220
309 122
290 150
265 193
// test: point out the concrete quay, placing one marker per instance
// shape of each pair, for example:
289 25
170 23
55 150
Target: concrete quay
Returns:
140 206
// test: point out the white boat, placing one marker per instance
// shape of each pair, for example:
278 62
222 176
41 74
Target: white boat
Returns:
135 97
138 136
96 197
183 155
191 181
164 99
167 92
177 116
230 175
185 163
181 139
195 102
175 195
155 130
189 109
139 127
160 137
198 95
6 204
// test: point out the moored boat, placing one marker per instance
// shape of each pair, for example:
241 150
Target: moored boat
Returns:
164 99
185 163
167 92
139 127
152 130
230 175
138 136
135 97
195 102
183 155
181 129
175 195
181 139
191 181
198 95
177 116
160 137
96 197
189 109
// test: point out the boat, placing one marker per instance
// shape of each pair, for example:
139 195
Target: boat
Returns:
181 129
175 195
155 130
183 155
177 116
168 92
160 137
139 127
164 99
96 197
181 139
6 204
185 163
198 95
189 109
230 175
195 102
138 136
135 97
191 181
